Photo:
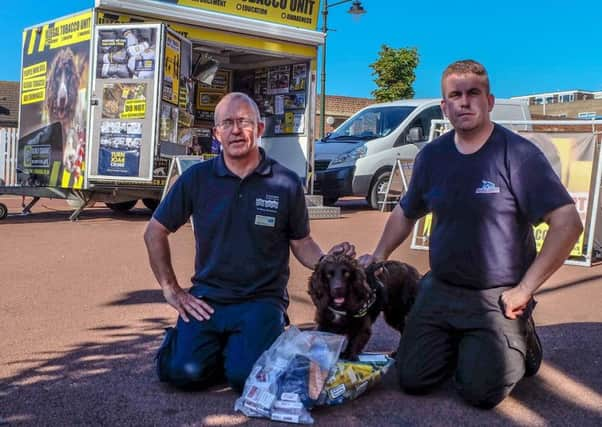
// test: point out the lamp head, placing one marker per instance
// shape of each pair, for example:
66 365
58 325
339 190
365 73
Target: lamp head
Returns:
356 9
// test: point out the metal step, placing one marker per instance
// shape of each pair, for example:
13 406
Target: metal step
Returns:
314 200
324 212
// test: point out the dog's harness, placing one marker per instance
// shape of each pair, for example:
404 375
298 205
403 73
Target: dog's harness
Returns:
363 310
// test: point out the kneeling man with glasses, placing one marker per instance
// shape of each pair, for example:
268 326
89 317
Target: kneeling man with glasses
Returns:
248 210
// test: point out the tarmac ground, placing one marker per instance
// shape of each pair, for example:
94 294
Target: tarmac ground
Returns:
82 317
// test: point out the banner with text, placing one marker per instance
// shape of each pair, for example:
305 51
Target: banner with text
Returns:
294 13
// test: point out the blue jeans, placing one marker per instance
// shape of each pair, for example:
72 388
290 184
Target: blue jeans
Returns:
199 354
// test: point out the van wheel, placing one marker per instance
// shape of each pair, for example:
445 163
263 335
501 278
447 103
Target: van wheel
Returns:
376 196
122 206
151 204
3 211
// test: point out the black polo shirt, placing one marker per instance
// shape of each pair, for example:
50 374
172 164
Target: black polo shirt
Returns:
242 228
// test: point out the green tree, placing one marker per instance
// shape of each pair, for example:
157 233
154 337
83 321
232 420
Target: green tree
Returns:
395 73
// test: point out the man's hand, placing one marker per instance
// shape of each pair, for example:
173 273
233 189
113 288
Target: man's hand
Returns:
367 259
514 301
187 304
345 248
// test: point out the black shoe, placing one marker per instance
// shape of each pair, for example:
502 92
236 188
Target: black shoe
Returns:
534 351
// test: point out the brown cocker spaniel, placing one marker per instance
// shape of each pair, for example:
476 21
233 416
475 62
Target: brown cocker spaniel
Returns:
348 299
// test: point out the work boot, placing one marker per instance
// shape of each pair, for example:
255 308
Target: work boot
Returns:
534 351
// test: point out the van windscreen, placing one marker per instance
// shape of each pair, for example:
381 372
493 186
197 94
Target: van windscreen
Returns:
371 123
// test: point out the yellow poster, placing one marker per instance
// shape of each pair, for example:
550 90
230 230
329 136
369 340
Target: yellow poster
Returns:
171 70
540 233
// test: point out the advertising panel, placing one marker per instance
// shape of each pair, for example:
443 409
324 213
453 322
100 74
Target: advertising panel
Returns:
54 99
171 69
127 58
572 157
294 13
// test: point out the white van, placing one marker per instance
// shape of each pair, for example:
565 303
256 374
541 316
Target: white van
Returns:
357 158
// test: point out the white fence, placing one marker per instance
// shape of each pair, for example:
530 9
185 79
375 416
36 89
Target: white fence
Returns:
8 156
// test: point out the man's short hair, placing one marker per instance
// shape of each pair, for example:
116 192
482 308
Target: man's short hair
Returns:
466 66
239 96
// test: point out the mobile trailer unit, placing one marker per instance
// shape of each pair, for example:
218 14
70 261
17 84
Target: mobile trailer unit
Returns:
143 82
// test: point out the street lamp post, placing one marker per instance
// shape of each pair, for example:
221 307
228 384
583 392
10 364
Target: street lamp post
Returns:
355 9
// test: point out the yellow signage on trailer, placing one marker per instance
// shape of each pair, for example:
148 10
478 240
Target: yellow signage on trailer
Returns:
295 13
54 97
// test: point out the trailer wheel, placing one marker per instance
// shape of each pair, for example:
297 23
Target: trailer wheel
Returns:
3 211
122 206
151 204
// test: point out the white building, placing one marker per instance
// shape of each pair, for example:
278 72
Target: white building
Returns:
559 97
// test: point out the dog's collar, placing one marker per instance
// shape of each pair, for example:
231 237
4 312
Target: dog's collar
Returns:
361 312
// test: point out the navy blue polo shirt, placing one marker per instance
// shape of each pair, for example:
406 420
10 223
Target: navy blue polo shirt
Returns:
242 228
484 206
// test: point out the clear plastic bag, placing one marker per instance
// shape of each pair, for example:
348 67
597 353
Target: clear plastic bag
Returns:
288 379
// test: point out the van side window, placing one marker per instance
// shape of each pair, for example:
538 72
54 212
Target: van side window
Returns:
421 125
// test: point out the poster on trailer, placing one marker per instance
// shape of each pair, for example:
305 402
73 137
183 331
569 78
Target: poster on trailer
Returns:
126 53
120 143
126 60
54 99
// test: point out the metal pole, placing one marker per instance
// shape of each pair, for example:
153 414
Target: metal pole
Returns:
323 76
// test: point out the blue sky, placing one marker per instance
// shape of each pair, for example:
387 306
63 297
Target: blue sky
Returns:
528 46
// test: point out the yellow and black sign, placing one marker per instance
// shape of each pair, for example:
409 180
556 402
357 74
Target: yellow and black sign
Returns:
118 159
294 13
133 109
171 69
63 32
55 65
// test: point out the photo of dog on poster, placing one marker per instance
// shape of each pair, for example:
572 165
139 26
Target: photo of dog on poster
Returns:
65 103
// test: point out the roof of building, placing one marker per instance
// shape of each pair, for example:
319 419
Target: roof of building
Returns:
343 105
9 103
558 92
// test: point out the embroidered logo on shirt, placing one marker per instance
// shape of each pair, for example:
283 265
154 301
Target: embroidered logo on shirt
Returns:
269 202
487 187
266 221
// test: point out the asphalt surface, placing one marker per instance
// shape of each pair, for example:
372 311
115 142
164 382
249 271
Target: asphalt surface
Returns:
82 316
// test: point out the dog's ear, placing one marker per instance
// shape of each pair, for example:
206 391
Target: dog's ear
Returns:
318 288
359 284
410 281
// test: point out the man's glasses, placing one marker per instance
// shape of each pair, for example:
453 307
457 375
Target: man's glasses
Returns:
242 123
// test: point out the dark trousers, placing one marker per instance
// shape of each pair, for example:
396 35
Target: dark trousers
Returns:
199 354
454 330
